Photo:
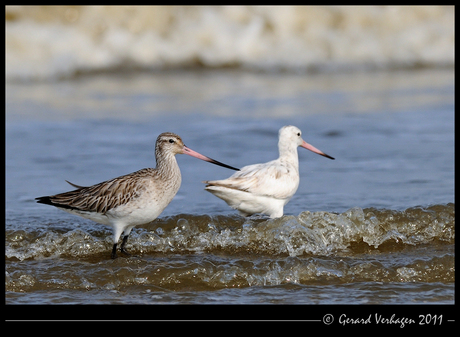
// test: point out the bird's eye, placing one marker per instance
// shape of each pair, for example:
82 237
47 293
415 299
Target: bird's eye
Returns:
298 134
171 141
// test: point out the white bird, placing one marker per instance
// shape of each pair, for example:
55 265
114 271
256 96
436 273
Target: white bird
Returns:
133 199
265 188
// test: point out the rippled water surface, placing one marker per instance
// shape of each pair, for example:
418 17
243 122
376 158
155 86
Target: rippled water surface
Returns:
375 226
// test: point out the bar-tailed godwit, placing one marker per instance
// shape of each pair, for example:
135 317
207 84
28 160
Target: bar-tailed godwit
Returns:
133 199
265 188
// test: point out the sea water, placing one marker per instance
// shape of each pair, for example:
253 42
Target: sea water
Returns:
374 226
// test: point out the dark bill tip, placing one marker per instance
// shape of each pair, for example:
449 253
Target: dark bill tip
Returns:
212 161
328 156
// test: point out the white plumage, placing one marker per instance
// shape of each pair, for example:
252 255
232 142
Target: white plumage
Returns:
265 188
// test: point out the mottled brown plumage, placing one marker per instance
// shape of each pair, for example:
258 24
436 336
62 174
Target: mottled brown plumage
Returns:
133 199
104 196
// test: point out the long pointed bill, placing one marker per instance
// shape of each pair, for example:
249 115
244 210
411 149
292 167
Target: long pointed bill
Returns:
192 153
315 150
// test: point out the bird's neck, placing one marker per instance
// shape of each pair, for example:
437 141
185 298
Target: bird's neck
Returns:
167 166
288 154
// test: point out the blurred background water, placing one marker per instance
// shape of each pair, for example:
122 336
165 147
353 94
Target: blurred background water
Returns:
89 88
55 42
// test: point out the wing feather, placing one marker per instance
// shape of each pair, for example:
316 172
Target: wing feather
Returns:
271 179
74 185
104 196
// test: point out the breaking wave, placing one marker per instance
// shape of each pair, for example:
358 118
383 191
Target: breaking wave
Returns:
201 252
310 233
48 42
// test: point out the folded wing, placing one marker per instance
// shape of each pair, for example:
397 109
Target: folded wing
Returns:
269 179
101 197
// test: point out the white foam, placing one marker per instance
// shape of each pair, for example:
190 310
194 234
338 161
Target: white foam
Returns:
53 42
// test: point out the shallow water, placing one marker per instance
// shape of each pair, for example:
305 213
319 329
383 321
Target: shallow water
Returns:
204 253
375 226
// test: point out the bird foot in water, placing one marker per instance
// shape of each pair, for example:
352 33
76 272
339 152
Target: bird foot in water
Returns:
114 254
122 249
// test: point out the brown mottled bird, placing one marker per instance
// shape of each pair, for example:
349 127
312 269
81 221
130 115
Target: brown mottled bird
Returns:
133 199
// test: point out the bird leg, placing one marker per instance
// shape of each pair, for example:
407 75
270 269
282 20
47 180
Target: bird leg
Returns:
114 251
122 247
